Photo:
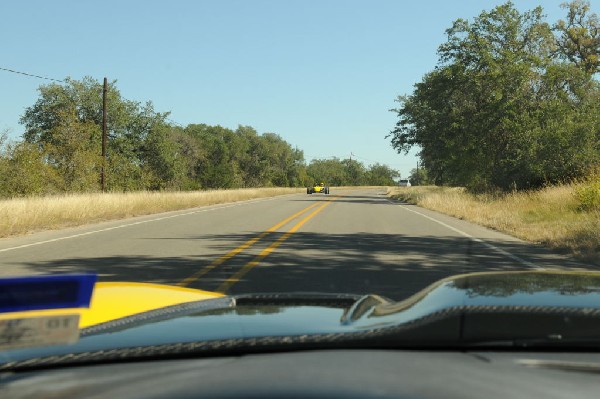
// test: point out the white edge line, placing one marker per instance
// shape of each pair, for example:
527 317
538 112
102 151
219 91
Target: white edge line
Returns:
478 240
207 208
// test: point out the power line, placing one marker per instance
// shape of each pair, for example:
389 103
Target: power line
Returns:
33 76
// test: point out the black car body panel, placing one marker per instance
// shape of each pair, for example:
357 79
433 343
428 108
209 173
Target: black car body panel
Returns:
509 308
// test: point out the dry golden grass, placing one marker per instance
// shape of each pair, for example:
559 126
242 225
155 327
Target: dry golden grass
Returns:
25 215
550 216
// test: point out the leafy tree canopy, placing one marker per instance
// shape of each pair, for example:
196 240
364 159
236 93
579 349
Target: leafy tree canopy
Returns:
509 105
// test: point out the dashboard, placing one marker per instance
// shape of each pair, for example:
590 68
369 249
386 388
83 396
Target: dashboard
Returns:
323 374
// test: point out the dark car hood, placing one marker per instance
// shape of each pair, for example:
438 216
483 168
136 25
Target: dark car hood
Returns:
477 308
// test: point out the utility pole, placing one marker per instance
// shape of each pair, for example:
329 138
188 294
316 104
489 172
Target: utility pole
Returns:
103 172
418 176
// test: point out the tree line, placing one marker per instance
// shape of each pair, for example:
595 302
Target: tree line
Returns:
60 151
513 102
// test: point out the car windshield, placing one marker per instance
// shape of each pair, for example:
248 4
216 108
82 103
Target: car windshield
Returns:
228 148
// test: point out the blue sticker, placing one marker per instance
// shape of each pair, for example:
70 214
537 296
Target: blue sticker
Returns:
56 291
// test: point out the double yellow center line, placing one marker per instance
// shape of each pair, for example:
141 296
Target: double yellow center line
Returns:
263 254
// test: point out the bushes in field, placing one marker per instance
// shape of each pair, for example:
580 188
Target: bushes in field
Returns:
588 193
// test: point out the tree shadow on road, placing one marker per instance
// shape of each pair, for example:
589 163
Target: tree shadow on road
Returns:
392 265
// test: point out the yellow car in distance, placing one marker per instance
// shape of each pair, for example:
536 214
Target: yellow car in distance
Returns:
318 188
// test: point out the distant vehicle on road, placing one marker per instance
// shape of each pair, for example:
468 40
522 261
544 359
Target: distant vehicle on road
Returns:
404 183
318 188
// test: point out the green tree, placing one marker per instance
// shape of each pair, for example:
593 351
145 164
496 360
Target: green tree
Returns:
349 172
164 159
214 168
329 171
144 151
355 172
381 175
224 158
189 153
579 36
297 175
65 124
419 177
499 110
25 172
74 154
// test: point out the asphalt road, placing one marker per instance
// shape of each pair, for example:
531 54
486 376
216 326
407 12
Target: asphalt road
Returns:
349 241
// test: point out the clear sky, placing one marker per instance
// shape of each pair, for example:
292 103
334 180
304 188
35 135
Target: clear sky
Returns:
322 74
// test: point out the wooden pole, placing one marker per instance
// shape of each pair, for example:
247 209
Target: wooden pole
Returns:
103 172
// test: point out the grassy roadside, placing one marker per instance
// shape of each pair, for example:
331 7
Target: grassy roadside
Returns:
26 215
551 216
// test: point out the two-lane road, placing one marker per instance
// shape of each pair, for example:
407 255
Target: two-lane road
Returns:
350 241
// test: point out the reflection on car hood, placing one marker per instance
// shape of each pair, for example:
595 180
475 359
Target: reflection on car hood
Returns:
465 309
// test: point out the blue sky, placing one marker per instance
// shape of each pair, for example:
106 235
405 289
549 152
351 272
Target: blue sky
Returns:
322 74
